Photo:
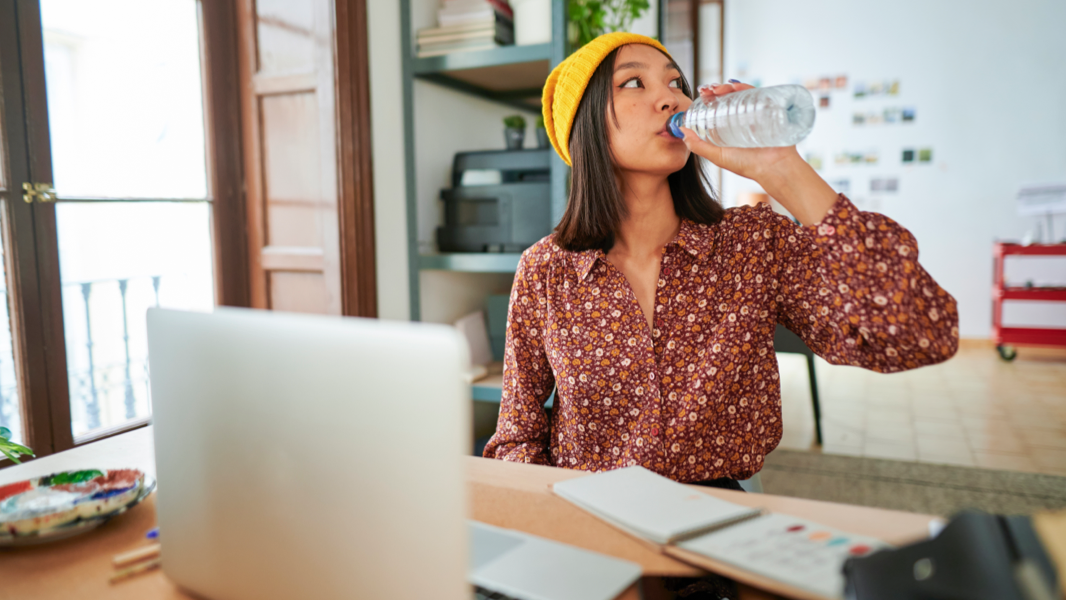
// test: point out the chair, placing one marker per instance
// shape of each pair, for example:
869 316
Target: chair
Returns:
786 341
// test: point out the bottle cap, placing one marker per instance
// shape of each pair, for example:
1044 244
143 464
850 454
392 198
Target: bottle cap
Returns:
675 125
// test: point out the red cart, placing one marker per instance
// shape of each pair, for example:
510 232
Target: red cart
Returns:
1007 338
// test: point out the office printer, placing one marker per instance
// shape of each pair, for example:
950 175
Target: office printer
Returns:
500 201
977 556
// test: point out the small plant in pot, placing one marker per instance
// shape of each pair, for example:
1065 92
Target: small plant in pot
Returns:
515 131
542 134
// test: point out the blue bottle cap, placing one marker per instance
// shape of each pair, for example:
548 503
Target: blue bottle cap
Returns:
675 125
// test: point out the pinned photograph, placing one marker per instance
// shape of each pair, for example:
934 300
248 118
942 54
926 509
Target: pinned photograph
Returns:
823 102
908 155
892 184
858 119
877 185
860 90
893 90
825 83
841 81
815 160
873 118
842 159
891 115
811 84
841 186
925 155
856 158
870 158
875 89
908 114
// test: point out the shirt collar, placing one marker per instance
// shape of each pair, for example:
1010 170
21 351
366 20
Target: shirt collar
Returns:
691 237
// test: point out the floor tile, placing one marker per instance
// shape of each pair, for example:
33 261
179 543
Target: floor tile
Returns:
972 410
875 449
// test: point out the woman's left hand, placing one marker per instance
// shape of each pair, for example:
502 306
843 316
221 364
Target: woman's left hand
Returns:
752 163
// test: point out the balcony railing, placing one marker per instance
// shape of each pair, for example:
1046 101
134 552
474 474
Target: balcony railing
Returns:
107 356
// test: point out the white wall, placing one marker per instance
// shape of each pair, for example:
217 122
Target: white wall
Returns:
988 82
386 112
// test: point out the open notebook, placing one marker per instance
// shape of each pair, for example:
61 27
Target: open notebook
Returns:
800 558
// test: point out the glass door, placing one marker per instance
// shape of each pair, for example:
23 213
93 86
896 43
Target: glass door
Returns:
132 210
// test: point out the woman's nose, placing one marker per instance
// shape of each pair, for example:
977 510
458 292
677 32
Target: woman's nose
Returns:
669 103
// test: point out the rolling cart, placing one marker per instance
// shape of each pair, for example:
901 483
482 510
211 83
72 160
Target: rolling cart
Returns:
1007 338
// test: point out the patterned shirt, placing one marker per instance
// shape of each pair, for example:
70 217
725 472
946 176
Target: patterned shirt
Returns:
698 396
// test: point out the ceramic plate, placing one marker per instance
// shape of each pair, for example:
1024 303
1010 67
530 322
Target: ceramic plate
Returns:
62 505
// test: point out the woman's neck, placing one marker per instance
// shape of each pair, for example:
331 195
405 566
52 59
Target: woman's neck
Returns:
650 221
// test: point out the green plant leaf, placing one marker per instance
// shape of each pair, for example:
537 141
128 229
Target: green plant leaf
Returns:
5 433
515 122
13 458
12 446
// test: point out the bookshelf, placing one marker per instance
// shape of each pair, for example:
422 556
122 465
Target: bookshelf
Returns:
512 76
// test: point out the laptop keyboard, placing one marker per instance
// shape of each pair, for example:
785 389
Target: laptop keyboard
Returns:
481 593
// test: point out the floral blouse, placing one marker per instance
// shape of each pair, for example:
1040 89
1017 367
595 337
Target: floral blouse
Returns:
698 396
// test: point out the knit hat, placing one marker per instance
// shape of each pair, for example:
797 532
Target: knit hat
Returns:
567 82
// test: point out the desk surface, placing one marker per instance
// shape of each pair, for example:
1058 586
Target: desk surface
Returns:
509 495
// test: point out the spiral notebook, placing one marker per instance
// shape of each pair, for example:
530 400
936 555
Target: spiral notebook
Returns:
801 558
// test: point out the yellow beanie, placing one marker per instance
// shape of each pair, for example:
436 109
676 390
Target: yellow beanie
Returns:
567 82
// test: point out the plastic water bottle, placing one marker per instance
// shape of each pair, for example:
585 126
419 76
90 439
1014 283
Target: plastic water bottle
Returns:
780 115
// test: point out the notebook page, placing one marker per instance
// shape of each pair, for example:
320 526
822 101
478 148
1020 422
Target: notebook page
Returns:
649 505
795 551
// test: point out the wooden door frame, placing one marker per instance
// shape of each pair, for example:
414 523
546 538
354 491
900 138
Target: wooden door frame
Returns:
355 191
225 166
29 343
355 168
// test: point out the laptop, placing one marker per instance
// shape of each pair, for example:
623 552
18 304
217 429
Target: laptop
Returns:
302 456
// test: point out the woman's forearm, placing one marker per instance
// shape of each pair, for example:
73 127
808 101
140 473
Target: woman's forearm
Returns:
798 188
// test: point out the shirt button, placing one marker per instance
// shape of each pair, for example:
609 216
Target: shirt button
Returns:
655 431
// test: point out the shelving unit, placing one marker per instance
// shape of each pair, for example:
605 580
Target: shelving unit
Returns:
1007 337
512 76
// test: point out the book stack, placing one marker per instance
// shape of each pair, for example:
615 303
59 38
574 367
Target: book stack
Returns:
467 25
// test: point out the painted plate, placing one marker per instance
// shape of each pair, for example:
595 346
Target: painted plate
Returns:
62 505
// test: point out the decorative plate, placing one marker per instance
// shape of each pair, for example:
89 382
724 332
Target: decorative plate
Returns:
62 505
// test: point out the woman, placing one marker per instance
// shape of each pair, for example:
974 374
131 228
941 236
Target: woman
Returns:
651 310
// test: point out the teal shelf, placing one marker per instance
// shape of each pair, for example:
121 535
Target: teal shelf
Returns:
510 75
470 262
504 56
486 393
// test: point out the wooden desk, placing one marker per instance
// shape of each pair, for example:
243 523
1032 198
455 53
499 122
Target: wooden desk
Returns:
505 494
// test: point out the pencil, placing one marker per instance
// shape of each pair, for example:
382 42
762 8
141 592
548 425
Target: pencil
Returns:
136 569
128 558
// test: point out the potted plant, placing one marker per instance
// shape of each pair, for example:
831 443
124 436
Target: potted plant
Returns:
515 131
542 134
11 449
592 18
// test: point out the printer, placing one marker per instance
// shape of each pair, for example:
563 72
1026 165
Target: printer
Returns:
500 201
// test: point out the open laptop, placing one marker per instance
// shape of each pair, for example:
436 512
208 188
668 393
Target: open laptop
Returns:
304 456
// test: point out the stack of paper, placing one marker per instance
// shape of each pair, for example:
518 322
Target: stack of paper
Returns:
802 558
467 25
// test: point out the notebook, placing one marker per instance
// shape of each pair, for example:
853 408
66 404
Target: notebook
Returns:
651 506
801 558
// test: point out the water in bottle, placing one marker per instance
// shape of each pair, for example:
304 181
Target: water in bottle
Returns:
780 115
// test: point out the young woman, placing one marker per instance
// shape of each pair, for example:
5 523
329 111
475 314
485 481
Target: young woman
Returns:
651 310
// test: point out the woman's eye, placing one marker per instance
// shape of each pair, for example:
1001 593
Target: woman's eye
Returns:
632 83
676 83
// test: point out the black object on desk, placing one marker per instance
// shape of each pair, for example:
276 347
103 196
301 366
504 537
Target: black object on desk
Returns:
505 213
976 557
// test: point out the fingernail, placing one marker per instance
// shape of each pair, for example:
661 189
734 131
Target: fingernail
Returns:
733 81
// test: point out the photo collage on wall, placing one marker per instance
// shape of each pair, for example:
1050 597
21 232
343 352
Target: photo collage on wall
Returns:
863 106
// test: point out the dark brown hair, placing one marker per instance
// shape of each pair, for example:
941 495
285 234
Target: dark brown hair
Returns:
596 206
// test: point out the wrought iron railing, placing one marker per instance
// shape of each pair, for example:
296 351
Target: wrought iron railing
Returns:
103 391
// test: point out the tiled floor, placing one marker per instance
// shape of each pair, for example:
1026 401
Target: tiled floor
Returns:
973 410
